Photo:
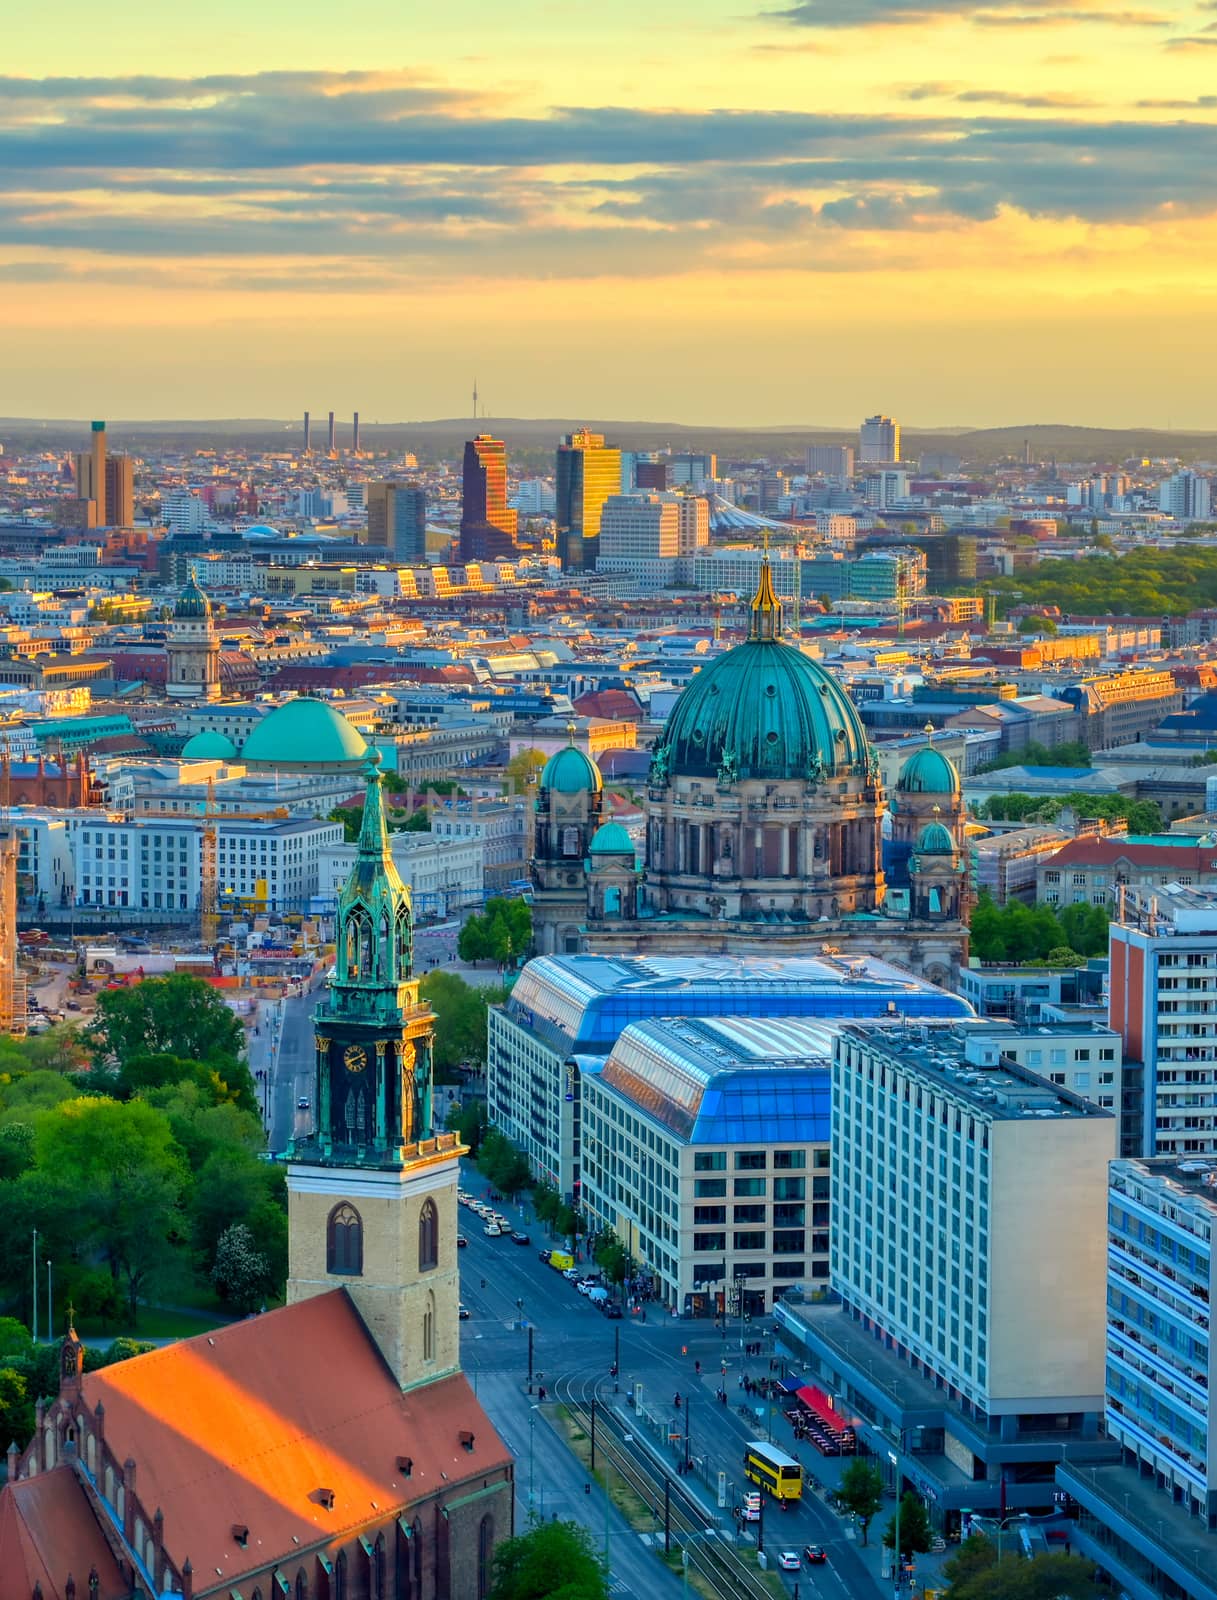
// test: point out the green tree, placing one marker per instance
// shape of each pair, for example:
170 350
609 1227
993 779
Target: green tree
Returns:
351 818
126 1179
504 1167
175 1016
241 1274
469 1122
916 1535
552 1561
461 1018
975 1573
861 1493
417 822
16 1407
612 1257
502 933
222 1082
524 768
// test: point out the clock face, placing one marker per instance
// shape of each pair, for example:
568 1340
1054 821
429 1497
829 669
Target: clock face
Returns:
354 1058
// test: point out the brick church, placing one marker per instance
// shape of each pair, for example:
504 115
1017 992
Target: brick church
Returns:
330 1450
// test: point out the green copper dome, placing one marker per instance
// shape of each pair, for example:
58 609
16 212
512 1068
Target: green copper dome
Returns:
192 602
304 732
935 840
611 839
210 745
929 772
763 710
569 771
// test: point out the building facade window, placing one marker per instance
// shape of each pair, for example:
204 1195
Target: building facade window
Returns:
428 1237
344 1242
485 1556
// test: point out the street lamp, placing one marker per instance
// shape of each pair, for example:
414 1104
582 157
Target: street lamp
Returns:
531 1424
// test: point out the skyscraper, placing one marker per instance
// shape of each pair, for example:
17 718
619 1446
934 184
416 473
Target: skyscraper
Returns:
879 440
588 472
355 434
120 491
397 520
308 434
330 436
91 473
832 460
488 523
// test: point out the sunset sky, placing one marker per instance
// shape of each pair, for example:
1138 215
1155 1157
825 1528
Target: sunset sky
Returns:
687 210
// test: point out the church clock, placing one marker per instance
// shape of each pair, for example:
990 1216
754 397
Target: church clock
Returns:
354 1058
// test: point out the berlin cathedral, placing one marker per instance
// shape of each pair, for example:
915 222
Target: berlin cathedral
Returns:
765 829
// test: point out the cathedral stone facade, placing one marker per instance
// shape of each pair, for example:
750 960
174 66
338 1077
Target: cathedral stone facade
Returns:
765 829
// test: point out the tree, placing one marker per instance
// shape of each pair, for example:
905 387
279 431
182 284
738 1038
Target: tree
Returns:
861 1492
241 1273
502 1164
916 1535
524 768
469 1122
221 1082
16 1406
552 1561
460 1017
612 1257
175 1016
351 818
125 1179
975 1573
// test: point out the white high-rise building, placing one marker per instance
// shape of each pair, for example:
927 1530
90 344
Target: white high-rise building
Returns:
884 489
640 538
879 441
694 510
182 511
831 461
1186 496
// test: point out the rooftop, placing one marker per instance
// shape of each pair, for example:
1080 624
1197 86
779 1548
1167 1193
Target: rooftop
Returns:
966 1059
1191 1180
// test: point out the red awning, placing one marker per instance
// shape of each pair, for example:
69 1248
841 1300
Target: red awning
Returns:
817 1402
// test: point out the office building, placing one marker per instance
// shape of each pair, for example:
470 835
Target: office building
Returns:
694 523
587 472
886 489
692 467
565 1014
488 523
91 473
1186 496
834 461
1163 1003
12 979
330 437
308 434
182 511
107 481
640 538
397 520
120 492
705 1149
1149 1520
887 575
879 441
965 1344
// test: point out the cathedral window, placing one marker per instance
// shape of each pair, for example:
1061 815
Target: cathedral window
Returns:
485 1556
429 1329
340 1576
344 1242
570 841
428 1237
378 1568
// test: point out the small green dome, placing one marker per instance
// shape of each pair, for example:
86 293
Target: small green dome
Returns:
192 602
769 710
569 771
935 840
929 772
304 732
210 745
611 839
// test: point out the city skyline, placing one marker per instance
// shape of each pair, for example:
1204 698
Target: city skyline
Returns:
862 198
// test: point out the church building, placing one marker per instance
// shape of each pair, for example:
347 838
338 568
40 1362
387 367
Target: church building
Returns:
765 824
330 1450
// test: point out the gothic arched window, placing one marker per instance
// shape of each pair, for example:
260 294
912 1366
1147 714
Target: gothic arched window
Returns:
485 1555
429 1329
301 1585
340 1576
378 1568
428 1237
344 1241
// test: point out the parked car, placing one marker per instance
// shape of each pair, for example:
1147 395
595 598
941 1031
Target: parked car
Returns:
611 1309
789 1561
544 1254
571 1274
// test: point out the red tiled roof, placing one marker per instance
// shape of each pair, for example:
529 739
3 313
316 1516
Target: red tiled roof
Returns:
239 1427
615 705
1099 852
47 1531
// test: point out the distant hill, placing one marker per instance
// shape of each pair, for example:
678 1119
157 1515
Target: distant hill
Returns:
532 439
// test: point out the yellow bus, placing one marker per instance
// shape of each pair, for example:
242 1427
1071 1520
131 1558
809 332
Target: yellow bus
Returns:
775 1471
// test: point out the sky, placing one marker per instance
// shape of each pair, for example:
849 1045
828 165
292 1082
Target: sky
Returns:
704 211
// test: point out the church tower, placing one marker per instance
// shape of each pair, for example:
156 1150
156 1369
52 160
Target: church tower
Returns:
192 648
372 1187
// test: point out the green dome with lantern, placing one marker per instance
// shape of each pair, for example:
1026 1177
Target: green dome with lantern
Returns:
935 840
763 710
569 771
929 772
611 839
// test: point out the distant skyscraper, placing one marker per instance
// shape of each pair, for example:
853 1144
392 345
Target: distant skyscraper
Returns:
120 491
693 467
588 472
1186 496
355 434
831 460
880 440
308 433
488 523
91 474
331 436
397 520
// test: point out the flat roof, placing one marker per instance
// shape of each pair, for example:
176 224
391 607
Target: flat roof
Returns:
1193 1178
993 1085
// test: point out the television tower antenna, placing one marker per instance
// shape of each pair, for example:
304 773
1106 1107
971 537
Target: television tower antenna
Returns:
475 399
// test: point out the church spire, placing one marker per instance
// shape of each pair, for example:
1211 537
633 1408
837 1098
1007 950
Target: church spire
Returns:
766 621
373 834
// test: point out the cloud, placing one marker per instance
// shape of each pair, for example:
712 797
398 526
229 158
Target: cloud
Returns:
996 97
1000 13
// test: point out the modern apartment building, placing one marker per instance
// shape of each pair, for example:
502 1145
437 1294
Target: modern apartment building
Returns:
831 461
1163 989
879 441
566 1012
397 519
488 523
1150 1519
966 1340
640 538
705 1149
587 472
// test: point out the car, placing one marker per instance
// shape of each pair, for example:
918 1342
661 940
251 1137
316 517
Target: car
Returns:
492 1230
520 1238
789 1561
544 1255
815 1555
462 1313
461 1242
571 1274
302 1103
612 1310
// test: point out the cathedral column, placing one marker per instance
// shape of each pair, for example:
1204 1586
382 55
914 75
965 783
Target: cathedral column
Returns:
758 853
785 856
